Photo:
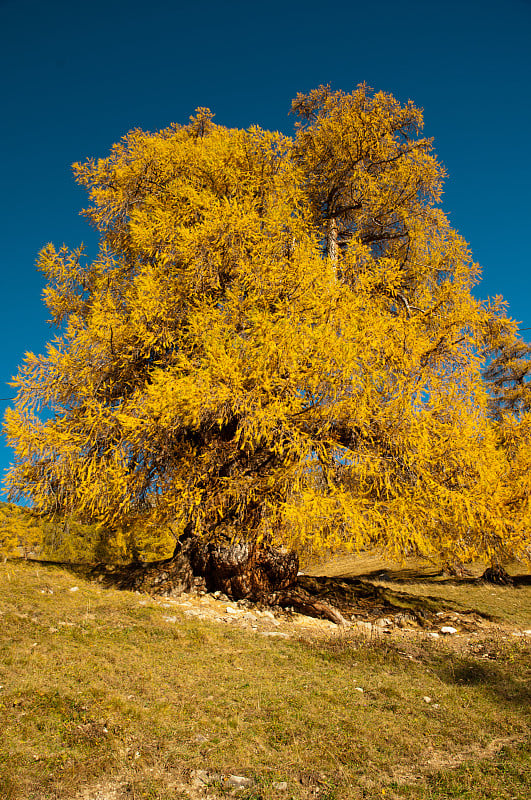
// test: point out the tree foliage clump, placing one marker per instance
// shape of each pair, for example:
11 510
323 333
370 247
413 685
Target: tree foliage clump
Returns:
20 532
277 341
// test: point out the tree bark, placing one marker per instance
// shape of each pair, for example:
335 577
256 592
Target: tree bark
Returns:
171 576
331 241
497 574
242 571
239 570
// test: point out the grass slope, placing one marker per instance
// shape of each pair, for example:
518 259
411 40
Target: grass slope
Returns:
424 578
103 698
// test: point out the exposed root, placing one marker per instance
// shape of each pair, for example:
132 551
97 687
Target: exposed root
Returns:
266 576
302 602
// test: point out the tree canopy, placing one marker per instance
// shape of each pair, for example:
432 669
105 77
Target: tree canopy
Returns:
278 341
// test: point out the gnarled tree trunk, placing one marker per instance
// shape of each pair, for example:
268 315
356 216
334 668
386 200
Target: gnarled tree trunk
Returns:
263 575
240 570
260 574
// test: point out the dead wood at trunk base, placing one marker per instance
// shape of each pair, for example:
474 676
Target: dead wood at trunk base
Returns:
302 602
498 575
171 576
352 597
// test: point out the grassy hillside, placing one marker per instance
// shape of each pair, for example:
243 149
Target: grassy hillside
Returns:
109 695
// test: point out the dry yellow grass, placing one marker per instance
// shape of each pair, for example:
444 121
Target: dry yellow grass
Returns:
99 689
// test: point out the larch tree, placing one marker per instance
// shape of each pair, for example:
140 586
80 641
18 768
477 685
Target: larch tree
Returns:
277 345
507 369
20 534
507 373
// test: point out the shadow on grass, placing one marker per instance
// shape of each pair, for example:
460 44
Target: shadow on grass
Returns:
499 668
507 677
436 576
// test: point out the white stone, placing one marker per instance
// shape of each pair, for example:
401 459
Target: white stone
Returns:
74 589
383 622
280 786
231 610
201 776
170 619
448 629
358 689
239 781
433 635
427 699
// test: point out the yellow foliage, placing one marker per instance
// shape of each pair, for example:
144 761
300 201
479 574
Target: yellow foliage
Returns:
277 340
9 540
20 535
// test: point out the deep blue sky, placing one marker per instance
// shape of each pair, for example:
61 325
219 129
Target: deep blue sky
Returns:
77 78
